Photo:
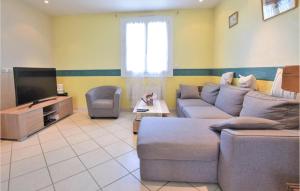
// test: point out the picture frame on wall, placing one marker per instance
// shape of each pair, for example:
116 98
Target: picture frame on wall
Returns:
233 19
273 8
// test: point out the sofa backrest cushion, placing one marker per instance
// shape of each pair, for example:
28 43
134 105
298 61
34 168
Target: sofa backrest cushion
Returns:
226 78
247 81
189 92
210 92
230 99
286 111
246 123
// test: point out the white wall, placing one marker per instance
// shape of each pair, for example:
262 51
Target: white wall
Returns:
26 41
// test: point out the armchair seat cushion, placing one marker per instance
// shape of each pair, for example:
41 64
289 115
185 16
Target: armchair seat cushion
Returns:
103 104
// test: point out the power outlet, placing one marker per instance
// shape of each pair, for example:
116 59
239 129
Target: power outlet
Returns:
6 70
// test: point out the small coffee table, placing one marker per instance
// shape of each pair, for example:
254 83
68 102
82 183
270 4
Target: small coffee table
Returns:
159 109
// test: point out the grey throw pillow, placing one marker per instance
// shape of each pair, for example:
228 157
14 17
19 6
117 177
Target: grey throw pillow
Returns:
189 92
246 123
210 92
286 111
230 99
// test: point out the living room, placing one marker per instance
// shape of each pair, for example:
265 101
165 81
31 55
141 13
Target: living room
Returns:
150 95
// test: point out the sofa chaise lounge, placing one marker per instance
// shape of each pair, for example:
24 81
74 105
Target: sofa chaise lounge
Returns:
186 149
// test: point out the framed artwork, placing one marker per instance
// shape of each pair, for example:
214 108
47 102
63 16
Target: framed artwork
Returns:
272 8
233 19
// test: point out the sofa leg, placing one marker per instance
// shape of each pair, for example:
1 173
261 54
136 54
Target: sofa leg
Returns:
92 117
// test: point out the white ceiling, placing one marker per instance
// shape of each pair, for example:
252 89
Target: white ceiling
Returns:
72 7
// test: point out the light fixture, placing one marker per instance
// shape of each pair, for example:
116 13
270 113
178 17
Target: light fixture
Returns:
200 1
46 1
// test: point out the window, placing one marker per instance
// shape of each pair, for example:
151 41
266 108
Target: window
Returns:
146 46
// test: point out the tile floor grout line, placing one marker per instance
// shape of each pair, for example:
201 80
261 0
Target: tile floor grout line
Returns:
116 180
81 160
45 187
28 156
113 158
130 172
139 180
103 147
163 186
9 173
46 164
28 172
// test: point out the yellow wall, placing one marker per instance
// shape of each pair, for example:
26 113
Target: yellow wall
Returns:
93 42
254 42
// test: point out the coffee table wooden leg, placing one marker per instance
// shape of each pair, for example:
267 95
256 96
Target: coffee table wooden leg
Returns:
136 126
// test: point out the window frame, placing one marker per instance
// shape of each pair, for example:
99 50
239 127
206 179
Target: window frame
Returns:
146 20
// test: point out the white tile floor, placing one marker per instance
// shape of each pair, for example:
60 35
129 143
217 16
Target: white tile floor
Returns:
81 154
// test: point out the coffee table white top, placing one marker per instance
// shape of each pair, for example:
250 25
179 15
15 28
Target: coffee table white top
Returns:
159 107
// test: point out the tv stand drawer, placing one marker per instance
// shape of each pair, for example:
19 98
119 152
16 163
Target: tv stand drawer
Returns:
31 122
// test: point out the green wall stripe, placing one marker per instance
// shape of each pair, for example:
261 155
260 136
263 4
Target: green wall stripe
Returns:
192 72
116 72
261 73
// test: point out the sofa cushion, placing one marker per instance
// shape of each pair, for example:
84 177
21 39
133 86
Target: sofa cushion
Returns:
189 92
286 111
177 139
226 78
191 102
205 112
246 123
247 81
210 92
230 99
102 103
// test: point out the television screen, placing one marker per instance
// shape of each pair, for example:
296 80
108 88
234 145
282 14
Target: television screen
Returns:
33 84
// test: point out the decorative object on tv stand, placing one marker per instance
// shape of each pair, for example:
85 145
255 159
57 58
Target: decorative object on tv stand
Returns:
272 8
60 89
148 99
233 19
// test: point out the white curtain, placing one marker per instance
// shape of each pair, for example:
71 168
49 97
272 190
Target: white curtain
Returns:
146 46
146 55
135 48
137 87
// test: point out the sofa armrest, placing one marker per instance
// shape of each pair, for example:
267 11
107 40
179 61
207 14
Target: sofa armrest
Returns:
117 96
258 159
90 97
178 94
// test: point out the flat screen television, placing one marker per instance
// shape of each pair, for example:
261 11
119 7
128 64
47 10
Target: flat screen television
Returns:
34 84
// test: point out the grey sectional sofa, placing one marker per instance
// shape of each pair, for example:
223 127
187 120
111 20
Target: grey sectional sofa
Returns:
186 149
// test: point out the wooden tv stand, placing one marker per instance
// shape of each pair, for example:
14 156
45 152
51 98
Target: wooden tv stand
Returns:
18 123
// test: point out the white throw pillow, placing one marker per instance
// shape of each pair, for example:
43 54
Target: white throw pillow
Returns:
247 81
227 78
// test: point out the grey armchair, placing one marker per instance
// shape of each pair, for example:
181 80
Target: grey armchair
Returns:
103 101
